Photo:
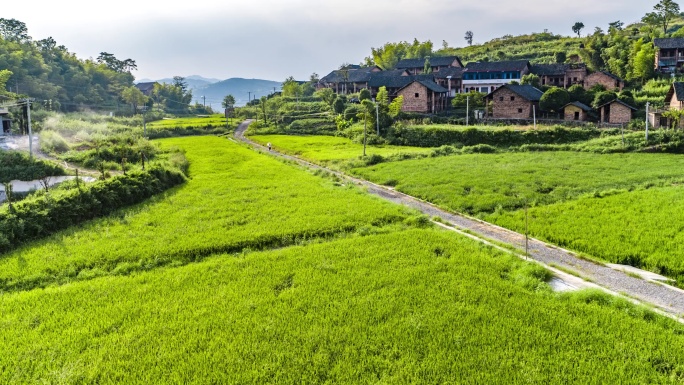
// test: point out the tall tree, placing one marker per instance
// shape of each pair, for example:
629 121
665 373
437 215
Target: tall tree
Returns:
134 97
14 30
666 10
469 37
228 101
577 28
427 68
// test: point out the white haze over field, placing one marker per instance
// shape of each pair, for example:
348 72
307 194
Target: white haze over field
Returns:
273 39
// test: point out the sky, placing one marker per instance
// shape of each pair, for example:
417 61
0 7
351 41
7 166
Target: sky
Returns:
274 39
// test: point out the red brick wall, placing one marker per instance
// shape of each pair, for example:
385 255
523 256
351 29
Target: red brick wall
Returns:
619 114
413 103
518 108
599 78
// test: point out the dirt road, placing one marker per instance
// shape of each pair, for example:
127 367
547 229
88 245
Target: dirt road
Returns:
665 297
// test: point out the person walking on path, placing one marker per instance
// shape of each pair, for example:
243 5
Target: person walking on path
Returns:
269 146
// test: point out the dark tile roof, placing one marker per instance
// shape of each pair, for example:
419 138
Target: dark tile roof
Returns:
610 75
432 86
454 72
579 105
616 101
677 89
669 43
549 69
526 91
146 88
434 61
496 66
394 79
358 75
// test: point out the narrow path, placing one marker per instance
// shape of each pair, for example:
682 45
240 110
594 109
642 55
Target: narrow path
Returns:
667 298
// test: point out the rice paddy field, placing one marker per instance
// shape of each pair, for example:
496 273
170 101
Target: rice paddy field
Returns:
235 278
209 121
329 149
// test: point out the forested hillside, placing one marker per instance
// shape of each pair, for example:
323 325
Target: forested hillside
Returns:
48 72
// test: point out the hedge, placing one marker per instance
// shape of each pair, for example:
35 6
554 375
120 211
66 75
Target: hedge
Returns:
17 165
427 136
46 214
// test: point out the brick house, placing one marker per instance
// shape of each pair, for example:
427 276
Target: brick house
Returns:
616 112
393 81
674 100
437 63
560 75
423 96
576 112
349 79
512 101
669 54
488 76
606 79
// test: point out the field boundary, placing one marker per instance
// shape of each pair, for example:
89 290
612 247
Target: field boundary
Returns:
664 297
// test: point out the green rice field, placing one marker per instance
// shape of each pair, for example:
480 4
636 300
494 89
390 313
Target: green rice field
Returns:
257 271
210 121
330 148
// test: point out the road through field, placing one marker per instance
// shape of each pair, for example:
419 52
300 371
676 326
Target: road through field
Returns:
664 297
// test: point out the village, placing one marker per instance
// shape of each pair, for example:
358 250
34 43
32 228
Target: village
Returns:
429 85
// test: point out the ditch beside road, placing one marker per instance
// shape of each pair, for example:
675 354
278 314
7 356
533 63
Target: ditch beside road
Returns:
614 279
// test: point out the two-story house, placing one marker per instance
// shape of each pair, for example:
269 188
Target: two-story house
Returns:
349 79
669 55
560 75
488 76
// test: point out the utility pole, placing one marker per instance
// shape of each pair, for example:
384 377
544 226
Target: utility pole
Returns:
28 115
527 249
647 105
144 124
467 108
534 116
249 97
365 119
204 101
377 118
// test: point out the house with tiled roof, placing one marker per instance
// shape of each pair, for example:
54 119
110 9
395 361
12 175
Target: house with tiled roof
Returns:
450 78
669 55
673 100
423 96
349 79
616 112
560 75
609 81
437 63
488 76
514 101
576 112
146 88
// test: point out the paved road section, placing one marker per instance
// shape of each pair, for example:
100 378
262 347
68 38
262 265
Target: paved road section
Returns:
667 298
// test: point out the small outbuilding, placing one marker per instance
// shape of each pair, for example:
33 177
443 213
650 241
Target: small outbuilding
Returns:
616 112
576 112
5 121
513 101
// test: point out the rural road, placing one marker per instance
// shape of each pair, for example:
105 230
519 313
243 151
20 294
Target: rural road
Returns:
665 297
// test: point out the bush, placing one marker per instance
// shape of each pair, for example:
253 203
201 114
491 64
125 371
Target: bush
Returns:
53 142
312 127
16 165
46 214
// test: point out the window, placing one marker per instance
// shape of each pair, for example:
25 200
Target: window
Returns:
501 98
484 89
512 98
574 79
520 110
417 95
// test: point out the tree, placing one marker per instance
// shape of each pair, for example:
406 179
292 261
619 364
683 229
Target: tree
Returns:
387 56
291 88
643 57
579 94
364 94
531 79
14 30
5 75
665 11
394 108
115 64
339 104
577 28
383 96
314 78
675 116
473 99
228 102
134 97
602 98
427 68
615 26
652 20
560 57
327 95
469 37
554 99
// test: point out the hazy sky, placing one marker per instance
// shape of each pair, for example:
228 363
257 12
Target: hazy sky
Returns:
272 39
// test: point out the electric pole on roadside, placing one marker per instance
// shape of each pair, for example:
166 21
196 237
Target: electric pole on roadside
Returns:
30 133
144 108
467 108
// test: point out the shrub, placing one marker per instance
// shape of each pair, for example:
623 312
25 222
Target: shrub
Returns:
53 142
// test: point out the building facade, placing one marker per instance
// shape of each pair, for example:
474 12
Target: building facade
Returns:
609 81
423 97
488 76
669 54
514 101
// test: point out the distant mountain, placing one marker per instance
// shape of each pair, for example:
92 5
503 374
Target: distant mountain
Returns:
241 89
214 90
